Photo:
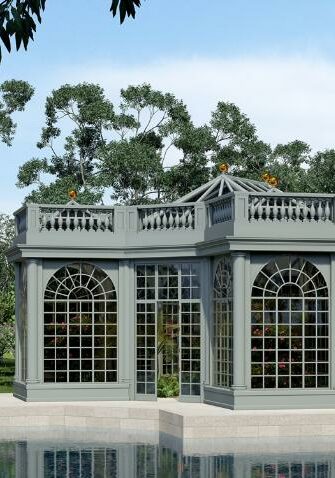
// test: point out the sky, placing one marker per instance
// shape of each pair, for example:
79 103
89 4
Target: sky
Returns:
274 59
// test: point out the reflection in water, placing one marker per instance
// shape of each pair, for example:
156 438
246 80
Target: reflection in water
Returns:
30 459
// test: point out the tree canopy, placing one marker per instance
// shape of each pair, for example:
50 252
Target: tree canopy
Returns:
14 95
19 18
147 149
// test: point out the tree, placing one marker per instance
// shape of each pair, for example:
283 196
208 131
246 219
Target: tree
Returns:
289 163
122 150
7 299
15 95
321 172
18 19
126 151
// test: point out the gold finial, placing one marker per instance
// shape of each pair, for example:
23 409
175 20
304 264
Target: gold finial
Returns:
273 181
224 167
73 194
266 176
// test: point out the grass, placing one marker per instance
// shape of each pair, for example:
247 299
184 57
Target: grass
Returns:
7 370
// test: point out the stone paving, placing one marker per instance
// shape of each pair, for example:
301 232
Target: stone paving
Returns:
168 416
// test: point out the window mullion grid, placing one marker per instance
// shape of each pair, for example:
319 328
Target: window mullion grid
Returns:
303 348
68 339
277 338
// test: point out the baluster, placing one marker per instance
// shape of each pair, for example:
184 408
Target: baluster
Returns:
177 218
52 221
267 209
164 219
75 220
252 209
145 220
158 220
183 219
305 211
289 210
98 221
90 222
259 209
327 211
151 219
282 210
43 221
312 211
67 219
171 219
320 210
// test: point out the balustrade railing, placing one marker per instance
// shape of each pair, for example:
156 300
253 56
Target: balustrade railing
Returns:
221 210
293 208
76 218
167 217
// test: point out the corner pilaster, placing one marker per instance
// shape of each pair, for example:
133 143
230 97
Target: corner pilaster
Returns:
239 260
33 313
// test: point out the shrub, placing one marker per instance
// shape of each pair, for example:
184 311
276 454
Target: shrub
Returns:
168 386
7 339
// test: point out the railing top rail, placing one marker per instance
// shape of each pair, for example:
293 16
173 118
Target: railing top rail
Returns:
78 207
164 205
293 195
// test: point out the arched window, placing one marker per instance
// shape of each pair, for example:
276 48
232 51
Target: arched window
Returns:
80 326
290 326
223 324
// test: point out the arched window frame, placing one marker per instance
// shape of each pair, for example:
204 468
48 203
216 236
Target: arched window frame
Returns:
290 326
80 326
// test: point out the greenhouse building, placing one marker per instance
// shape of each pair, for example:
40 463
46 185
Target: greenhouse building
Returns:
227 292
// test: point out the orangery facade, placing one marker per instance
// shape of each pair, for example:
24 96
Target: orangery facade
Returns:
228 290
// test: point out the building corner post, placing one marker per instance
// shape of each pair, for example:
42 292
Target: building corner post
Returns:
239 289
33 329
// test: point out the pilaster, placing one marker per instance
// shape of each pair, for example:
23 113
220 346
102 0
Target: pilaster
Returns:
33 311
238 259
18 325
126 324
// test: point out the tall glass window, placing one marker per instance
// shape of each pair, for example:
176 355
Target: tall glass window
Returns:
80 326
168 326
290 326
223 324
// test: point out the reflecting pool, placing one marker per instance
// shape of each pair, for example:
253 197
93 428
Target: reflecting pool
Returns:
37 459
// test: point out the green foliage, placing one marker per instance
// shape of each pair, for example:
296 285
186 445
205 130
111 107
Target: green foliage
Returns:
168 386
7 296
7 306
321 172
7 233
15 94
7 370
96 147
18 19
126 7
121 150
7 339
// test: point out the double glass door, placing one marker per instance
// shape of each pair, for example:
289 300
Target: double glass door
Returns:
168 348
